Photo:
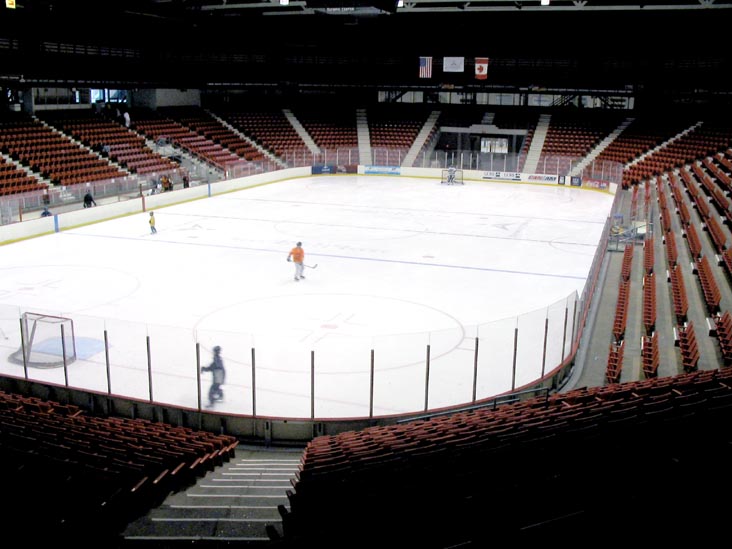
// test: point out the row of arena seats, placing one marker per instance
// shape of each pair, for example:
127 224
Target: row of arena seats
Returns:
205 124
477 475
710 288
723 331
272 131
79 474
685 338
649 303
650 355
616 352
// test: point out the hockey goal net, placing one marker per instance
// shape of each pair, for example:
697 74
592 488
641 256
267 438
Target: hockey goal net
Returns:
452 177
47 341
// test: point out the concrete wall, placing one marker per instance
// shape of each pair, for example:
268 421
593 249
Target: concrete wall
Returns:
166 97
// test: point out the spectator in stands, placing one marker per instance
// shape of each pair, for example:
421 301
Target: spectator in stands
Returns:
153 230
218 373
89 200
46 212
126 116
186 181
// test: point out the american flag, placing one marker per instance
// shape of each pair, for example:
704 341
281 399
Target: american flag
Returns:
425 67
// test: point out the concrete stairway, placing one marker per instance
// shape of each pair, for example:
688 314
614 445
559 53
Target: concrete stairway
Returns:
582 164
235 503
264 151
364 137
421 138
537 144
301 131
665 143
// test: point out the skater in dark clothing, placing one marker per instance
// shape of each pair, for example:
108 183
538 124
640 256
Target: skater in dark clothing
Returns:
219 376
89 200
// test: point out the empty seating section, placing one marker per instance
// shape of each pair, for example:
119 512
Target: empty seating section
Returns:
650 355
270 129
684 212
678 294
699 200
615 362
672 253
710 289
615 357
53 155
669 236
690 143
725 159
636 142
627 263
718 166
200 121
665 218
688 346
156 127
727 261
649 258
649 303
570 137
393 130
331 129
14 179
621 308
717 234
719 199
723 333
693 241
103 468
111 139
356 478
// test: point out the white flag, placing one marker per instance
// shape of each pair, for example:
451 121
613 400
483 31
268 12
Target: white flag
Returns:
453 64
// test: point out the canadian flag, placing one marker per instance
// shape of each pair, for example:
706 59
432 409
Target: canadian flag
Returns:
481 68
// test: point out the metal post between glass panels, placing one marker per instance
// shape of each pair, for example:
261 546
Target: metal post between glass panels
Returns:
427 380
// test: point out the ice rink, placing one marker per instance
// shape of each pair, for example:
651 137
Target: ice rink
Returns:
409 274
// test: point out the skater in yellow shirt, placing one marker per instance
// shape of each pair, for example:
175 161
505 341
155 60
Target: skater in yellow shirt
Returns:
153 230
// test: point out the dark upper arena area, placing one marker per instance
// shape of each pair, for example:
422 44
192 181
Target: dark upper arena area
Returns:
198 44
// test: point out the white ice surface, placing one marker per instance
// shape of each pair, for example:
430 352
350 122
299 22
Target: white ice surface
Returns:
404 266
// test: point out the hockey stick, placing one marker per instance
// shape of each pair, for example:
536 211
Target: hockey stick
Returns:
310 266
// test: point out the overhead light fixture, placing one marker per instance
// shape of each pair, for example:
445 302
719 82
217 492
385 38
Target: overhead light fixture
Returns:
286 2
400 4
545 2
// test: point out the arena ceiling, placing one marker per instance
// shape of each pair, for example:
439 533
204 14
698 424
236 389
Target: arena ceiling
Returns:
187 43
228 8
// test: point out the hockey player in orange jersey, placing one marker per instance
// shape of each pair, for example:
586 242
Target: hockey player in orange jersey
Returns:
297 255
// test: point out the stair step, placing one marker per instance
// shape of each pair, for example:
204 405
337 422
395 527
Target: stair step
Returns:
236 501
